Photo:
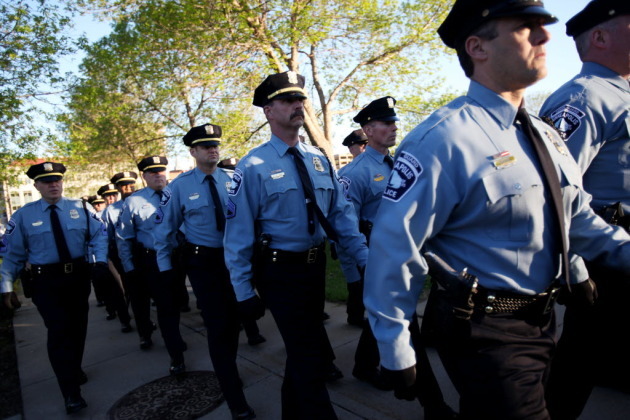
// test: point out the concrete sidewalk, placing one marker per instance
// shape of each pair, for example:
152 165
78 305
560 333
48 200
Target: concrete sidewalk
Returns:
115 366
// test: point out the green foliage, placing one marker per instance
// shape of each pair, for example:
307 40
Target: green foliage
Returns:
31 39
172 65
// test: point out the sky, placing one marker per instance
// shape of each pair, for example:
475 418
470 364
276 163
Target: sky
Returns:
562 59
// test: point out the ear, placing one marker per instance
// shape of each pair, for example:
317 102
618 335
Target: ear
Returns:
192 151
600 38
476 48
267 110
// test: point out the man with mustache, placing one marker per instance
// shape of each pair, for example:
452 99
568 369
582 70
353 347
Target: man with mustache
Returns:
492 192
284 204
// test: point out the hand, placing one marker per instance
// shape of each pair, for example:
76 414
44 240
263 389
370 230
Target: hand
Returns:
584 293
11 300
251 309
403 381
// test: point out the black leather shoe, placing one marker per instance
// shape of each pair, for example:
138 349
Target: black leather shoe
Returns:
333 373
82 378
325 316
372 377
74 404
255 340
126 328
246 414
177 368
146 343
357 321
100 304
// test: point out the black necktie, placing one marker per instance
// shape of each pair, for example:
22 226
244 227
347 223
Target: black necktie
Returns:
60 240
218 208
390 161
552 183
309 194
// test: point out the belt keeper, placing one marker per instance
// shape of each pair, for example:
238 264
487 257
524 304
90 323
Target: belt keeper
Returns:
311 256
67 268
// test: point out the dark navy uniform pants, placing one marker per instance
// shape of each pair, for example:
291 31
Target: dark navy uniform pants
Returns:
62 301
165 294
294 292
211 284
498 363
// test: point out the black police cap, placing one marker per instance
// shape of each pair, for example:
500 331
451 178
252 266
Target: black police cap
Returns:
596 12
107 189
468 15
124 178
278 86
229 163
92 199
381 109
207 134
153 164
356 137
46 171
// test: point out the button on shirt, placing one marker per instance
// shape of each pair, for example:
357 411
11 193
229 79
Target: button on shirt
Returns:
136 223
187 201
364 180
29 237
466 186
267 197
592 111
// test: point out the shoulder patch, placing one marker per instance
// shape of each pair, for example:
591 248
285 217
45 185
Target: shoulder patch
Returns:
10 228
345 184
230 209
237 181
406 171
567 119
166 197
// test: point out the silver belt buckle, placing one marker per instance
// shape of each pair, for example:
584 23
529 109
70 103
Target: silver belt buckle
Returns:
67 268
311 256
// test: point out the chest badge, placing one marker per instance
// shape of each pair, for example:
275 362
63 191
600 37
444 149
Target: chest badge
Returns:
503 160
317 163
74 214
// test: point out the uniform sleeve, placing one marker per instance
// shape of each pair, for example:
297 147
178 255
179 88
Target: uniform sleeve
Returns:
125 237
98 238
396 270
344 219
239 239
164 232
14 253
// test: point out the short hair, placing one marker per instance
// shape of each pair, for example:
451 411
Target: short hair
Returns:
583 41
487 31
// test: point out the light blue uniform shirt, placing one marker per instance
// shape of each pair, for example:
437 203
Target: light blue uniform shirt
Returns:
592 111
29 237
136 223
187 201
267 197
364 180
110 218
465 185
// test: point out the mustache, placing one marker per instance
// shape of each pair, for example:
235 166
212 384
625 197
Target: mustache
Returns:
297 113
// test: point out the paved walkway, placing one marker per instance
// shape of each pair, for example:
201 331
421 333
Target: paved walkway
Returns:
115 365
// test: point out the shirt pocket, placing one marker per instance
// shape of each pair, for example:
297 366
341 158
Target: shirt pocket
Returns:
322 183
514 195
282 197
198 210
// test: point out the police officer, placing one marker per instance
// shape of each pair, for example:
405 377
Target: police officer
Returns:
56 235
285 196
98 203
113 295
99 287
196 199
109 193
355 142
478 184
134 237
592 113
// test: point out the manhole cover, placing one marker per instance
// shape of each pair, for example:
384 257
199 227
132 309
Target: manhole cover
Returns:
196 394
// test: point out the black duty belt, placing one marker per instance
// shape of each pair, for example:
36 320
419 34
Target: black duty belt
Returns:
497 301
190 248
59 268
310 256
